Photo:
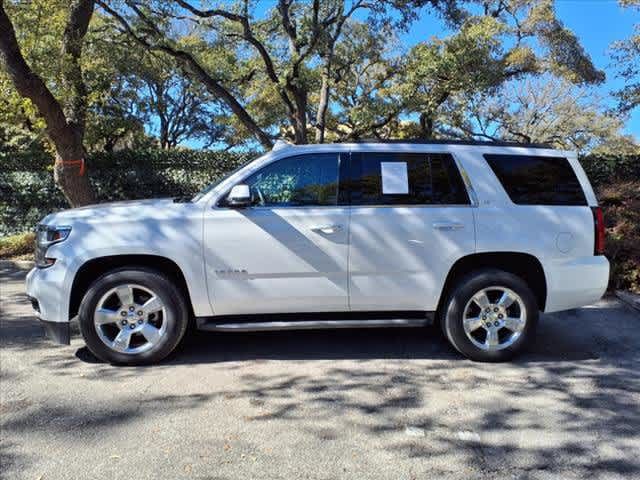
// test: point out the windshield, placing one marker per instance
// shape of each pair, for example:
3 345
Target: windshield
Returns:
213 185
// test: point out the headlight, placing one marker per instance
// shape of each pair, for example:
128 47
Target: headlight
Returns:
47 235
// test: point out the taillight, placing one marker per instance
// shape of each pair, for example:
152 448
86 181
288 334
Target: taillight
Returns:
598 223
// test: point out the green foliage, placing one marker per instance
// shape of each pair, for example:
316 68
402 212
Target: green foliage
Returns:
28 193
601 169
626 56
17 245
565 56
620 199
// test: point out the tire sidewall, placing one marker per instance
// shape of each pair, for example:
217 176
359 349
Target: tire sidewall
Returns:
469 286
177 317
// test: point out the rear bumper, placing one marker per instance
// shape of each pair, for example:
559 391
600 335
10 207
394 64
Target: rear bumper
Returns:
575 282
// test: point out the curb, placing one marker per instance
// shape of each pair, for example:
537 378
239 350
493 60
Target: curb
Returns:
629 298
17 264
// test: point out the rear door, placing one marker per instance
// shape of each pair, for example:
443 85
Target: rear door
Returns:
411 219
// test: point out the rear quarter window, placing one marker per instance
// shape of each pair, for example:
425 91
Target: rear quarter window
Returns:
536 180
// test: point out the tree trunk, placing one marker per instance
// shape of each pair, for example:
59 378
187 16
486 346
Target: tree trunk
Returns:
70 175
300 114
426 126
65 133
323 105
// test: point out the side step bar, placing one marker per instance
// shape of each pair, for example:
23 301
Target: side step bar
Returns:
212 325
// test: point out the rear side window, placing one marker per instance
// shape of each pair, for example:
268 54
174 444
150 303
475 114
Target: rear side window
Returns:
405 179
533 180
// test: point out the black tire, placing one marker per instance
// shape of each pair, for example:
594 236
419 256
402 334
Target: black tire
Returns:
452 314
177 316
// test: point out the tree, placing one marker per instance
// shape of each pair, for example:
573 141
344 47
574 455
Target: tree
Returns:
544 110
65 123
283 51
362 73
626 54
488 49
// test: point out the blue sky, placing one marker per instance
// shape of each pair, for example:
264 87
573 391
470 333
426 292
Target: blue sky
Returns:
598 23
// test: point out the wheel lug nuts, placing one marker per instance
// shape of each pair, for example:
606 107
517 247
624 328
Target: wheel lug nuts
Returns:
123 313
131 309
140 322
140 313
488 324
124 322
484 317
500 316
496 323
495 309
132 326
488 310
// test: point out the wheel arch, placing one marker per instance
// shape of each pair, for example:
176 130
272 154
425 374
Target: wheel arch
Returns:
92 269
524 265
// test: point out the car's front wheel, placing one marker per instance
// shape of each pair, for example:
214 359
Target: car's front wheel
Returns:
133 316
490 316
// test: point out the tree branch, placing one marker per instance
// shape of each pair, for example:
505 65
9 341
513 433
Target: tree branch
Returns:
191 66
27 83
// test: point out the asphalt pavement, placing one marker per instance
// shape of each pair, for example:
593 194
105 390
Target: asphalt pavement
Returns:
356 404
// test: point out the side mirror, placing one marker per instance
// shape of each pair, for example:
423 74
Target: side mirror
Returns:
239 196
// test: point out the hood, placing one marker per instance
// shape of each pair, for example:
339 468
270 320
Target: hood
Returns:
160 209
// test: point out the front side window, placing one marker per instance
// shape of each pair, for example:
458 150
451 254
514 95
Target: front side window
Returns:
533 180
406 179
302 180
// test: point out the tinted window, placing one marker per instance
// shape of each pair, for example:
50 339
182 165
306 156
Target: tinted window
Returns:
531 180
406 179
303 180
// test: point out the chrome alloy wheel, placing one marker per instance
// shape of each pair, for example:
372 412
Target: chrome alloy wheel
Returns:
130 319
494 318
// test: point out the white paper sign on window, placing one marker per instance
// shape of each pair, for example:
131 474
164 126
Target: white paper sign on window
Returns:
394 178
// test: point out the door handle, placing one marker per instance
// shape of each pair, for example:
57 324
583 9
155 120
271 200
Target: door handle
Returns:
327 229
447 226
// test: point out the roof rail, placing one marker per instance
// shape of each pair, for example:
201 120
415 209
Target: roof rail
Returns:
454 142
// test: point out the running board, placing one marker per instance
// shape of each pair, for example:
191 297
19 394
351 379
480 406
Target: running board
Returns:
212 325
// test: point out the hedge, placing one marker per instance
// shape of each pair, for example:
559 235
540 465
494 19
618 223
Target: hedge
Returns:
28 193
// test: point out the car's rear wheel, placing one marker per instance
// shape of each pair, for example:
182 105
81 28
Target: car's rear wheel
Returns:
490 315
133 316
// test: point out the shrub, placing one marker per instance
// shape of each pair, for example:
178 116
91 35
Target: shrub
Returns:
17 245
620 201
28 191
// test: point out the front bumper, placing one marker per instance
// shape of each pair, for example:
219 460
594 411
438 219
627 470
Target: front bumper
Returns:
47 292
59 332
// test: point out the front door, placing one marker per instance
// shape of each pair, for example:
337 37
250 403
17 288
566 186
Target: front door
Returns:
288 251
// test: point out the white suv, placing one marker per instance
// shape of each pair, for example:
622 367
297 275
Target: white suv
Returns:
478 237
